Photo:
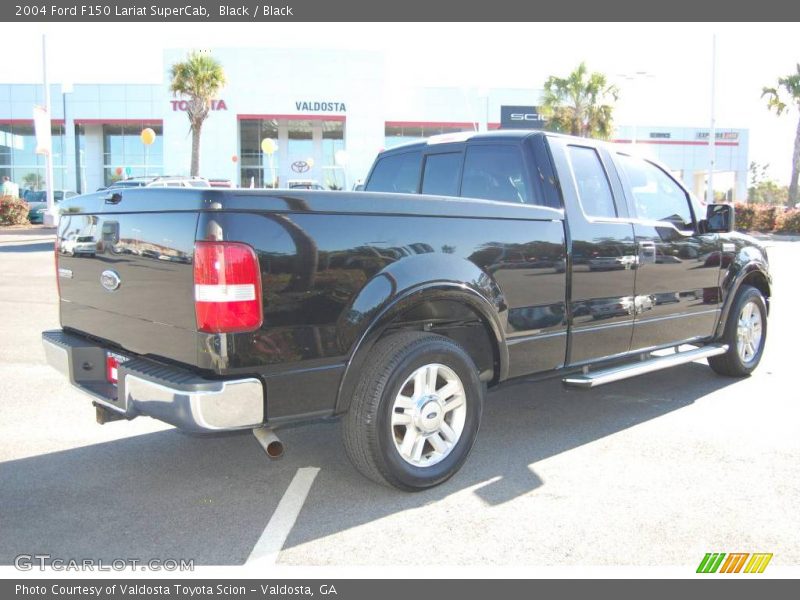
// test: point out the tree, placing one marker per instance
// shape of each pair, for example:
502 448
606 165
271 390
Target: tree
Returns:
33 181
780 98
763 189
198 79
580 104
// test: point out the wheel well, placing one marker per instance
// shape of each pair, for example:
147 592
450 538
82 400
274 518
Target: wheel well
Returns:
759 281
459 322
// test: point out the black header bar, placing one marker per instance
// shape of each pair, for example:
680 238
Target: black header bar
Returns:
278 11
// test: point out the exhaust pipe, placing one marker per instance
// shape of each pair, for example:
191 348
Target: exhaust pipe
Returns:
269 442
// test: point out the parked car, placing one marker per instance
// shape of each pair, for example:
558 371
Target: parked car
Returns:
304 184
37 202
179 181
396 311
78 245
220 183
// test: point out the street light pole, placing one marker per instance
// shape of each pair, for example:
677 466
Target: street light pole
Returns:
50 219
712 134
636 76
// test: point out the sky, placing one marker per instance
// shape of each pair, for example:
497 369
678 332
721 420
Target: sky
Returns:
677 56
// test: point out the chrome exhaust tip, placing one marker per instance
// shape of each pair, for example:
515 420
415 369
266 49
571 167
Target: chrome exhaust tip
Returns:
269 442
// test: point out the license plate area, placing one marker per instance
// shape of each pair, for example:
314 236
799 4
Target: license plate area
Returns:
113 361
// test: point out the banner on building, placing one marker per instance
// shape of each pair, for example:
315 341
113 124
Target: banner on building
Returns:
41 125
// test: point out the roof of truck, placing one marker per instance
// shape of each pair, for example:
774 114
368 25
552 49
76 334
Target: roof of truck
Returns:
463 136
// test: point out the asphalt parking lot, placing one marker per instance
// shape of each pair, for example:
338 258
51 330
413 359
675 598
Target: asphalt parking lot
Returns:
653 471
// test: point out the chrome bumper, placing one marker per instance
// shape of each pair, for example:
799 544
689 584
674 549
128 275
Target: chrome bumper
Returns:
164 392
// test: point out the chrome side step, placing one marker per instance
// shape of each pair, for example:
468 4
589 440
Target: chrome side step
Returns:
593 379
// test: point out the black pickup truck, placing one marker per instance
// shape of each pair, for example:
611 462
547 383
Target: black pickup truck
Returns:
468 260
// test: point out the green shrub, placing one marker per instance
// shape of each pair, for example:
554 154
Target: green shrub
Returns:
788 221
764 218
744 216
13 211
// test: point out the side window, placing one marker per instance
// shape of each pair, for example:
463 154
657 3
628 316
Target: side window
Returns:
594 191
655 194
495 172
441 174
396 173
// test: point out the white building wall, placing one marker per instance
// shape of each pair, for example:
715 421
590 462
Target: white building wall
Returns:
271 81
93 167
686 150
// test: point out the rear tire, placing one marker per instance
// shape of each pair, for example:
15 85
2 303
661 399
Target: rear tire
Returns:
415 413
745 334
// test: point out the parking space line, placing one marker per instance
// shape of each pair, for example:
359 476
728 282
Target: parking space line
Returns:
269 545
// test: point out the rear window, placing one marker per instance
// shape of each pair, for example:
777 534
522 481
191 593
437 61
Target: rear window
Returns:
594 191
396 173
441 175
495 172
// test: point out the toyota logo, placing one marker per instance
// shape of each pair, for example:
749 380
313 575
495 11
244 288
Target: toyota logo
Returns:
300 166
110 280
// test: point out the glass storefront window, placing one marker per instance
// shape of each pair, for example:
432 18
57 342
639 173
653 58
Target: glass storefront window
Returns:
254 167
19 161
124 154
332 142
300 148
306 153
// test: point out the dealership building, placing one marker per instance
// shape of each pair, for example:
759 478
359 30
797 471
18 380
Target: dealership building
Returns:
329 113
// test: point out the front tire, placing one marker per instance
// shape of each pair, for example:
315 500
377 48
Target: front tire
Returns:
415 413
745 334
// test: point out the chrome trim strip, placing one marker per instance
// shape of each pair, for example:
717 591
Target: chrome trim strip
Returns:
530 338
593 328
683 315
604 376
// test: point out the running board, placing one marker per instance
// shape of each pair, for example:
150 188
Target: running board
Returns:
590 380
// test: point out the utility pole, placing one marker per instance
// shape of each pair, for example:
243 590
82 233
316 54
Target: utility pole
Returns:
636 78
50 217
712 134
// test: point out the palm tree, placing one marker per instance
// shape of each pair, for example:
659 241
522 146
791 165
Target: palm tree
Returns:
780 98
580 104
199 79
33 181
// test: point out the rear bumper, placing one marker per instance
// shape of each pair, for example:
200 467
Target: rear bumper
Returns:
164 392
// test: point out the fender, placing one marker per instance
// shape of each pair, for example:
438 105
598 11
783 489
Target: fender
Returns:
749 259
405 284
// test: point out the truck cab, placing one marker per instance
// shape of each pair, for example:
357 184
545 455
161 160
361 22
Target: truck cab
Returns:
468 260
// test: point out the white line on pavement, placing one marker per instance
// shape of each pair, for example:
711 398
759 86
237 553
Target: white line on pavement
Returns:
266 550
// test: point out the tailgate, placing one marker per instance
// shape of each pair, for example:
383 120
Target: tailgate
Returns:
127 278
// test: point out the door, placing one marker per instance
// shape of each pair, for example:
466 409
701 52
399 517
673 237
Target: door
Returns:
678 268
603 253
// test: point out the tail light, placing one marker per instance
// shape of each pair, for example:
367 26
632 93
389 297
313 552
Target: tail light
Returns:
227 287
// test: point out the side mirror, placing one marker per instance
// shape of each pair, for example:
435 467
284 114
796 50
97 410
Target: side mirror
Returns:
719 218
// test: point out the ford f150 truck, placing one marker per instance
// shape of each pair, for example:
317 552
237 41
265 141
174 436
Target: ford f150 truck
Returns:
469 260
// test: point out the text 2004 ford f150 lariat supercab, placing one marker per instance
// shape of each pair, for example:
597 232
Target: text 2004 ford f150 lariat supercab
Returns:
468 260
